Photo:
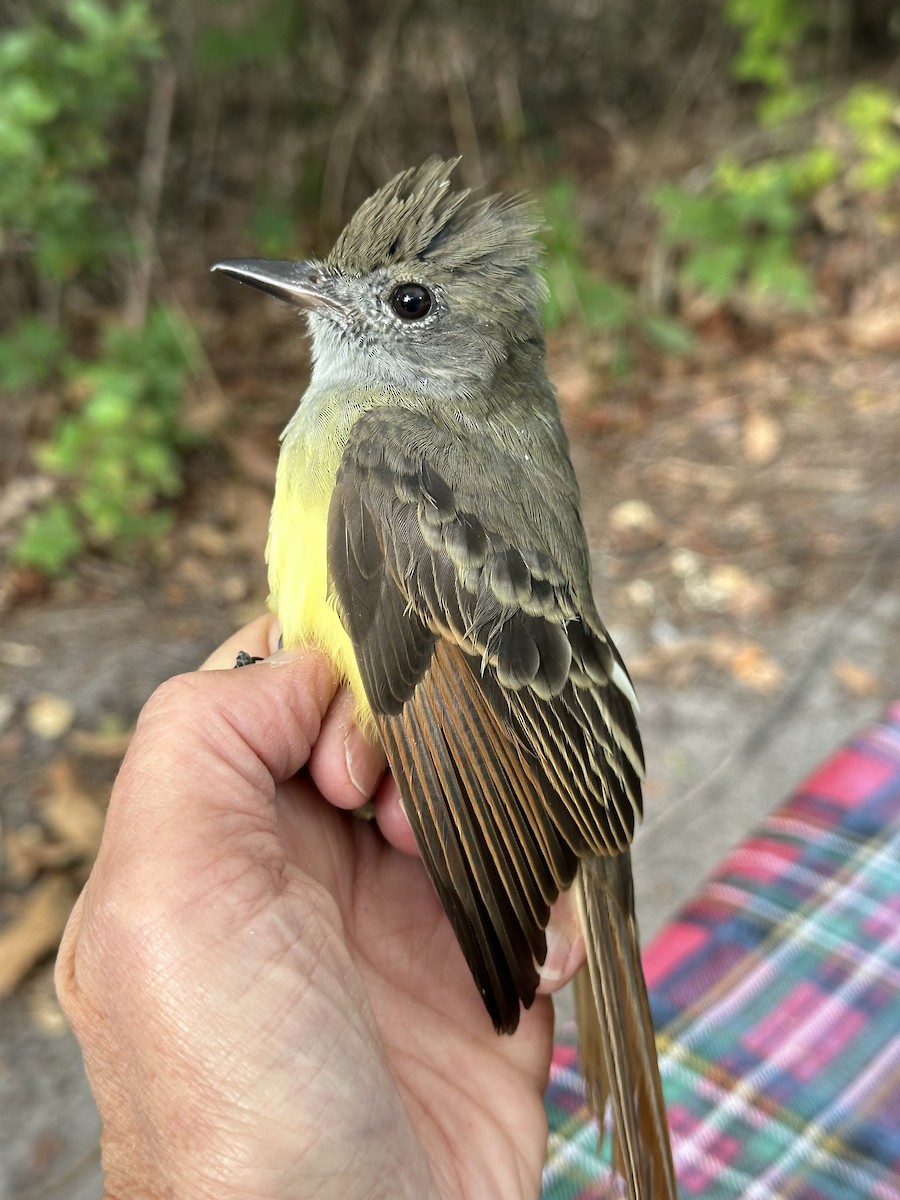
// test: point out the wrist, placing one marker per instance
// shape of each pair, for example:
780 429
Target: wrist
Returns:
397 1171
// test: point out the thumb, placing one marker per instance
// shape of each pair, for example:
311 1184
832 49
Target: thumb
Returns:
197 785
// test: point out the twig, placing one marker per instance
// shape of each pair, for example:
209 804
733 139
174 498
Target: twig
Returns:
349 124
192 345
150 184
462 118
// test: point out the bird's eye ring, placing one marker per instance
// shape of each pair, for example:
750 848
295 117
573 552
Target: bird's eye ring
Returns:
411 301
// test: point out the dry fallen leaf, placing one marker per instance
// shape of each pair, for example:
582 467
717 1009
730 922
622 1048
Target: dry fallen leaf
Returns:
752 666
34 930
866 399
859 681
806 341
70 813
726 588
575 386
234 588
736 591
749 663
208 539
93 743
633 525
640 594
19 654
664 656
761 437
27 852
43 1004
877 329
49 717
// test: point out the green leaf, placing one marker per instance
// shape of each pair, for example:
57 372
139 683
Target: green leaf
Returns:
25 101
868 106
268 34
61 84
120 449
716 270
50 540
623 358
30 354
776 273
788 103
666 333
605 304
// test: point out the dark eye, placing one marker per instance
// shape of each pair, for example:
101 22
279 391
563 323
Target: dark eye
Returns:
411 301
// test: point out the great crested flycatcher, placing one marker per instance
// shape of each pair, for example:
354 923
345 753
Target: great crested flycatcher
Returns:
427 535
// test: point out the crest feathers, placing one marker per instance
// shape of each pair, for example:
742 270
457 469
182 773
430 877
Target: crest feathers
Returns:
417 218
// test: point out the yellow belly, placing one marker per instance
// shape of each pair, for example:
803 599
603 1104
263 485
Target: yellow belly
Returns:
297 556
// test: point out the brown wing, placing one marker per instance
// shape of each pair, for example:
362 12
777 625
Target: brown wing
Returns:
514 750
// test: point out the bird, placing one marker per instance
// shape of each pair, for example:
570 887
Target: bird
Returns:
426 533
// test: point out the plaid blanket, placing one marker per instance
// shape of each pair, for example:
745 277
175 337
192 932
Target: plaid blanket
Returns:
776 997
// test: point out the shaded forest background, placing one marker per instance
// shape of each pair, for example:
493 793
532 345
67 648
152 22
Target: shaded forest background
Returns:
696 164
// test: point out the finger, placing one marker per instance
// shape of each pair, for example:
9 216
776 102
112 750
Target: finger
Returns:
197 785
259 639
392 819
565 945
344 764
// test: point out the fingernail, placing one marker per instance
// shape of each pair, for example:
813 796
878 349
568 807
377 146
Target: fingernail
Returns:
275 640
364 765
559 947
282 658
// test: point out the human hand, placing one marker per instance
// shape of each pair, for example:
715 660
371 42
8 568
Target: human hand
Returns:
268 995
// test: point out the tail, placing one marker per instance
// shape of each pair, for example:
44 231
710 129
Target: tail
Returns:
615 1031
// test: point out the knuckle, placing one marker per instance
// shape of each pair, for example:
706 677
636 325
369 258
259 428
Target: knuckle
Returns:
174 696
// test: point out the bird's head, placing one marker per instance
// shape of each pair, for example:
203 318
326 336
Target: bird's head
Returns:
426 288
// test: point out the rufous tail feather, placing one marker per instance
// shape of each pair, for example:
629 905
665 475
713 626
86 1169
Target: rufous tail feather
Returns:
615 1031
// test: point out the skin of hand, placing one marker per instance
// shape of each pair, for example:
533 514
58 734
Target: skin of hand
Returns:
268 996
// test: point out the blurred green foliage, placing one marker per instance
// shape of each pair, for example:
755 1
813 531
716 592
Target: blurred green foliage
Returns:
740 232
872 113
118 450
273 228
61 83
262 32
577 294
290 112
772 31
115 452
30 354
